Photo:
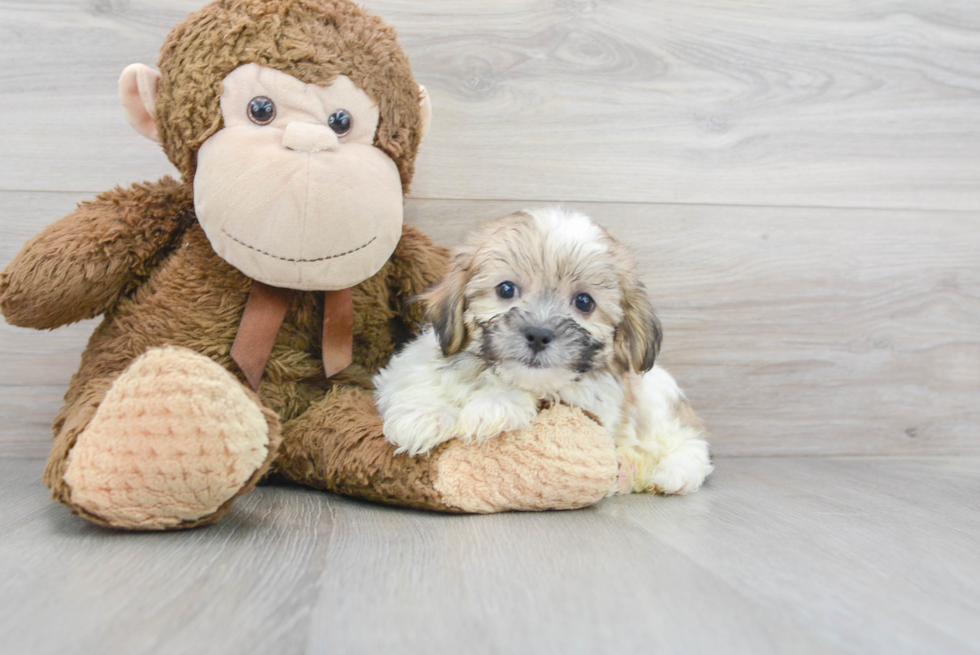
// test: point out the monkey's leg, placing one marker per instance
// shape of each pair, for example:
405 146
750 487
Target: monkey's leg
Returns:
563 461
169 443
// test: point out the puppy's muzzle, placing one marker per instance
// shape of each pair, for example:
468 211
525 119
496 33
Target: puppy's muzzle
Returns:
538 338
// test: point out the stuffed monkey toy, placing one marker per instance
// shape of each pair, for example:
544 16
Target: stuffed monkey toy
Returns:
248 304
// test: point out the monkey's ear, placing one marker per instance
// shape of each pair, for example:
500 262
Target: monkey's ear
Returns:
425 105
638 336
445 306
138 86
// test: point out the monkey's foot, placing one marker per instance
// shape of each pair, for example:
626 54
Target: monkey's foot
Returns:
562 461
175 440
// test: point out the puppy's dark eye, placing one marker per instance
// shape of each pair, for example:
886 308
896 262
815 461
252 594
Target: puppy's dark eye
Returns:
584 303
340 122
506 290
261 110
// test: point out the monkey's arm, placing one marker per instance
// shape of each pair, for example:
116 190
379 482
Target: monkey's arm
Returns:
81 265
563 461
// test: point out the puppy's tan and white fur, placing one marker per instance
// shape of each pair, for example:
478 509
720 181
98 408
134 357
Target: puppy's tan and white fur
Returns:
544 306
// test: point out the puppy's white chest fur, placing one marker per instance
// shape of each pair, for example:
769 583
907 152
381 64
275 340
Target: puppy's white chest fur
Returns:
426 399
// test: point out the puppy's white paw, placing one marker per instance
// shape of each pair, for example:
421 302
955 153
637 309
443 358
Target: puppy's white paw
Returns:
417 431
681 471
486 416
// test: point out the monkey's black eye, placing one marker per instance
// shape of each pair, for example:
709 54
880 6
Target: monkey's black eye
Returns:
261 110
506 290
584 303
340 122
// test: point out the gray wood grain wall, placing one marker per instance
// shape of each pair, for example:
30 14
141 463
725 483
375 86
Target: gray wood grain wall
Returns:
801 182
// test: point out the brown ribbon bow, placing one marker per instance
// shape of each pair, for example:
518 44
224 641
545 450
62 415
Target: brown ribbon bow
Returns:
264 313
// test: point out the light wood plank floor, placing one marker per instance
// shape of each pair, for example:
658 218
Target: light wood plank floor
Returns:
801 182
775 555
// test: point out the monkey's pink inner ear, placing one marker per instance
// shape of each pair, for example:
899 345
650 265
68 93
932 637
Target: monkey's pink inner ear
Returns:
425 105
138 86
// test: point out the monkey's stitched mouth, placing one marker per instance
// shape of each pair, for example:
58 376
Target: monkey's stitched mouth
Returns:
295 259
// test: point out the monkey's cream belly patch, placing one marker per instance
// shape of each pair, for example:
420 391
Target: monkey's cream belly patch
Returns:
174 439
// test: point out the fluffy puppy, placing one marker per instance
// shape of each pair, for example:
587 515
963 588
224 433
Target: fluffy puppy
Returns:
544 306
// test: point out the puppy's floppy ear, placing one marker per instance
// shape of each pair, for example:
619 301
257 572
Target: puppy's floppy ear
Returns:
638 336
445 305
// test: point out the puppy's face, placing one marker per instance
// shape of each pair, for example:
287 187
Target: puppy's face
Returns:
544 297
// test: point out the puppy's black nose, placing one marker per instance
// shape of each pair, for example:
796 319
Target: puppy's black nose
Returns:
538 338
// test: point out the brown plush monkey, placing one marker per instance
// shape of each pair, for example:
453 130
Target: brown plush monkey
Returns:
247 306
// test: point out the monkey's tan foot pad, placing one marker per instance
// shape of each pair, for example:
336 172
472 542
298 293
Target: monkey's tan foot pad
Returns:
563 461
176 438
